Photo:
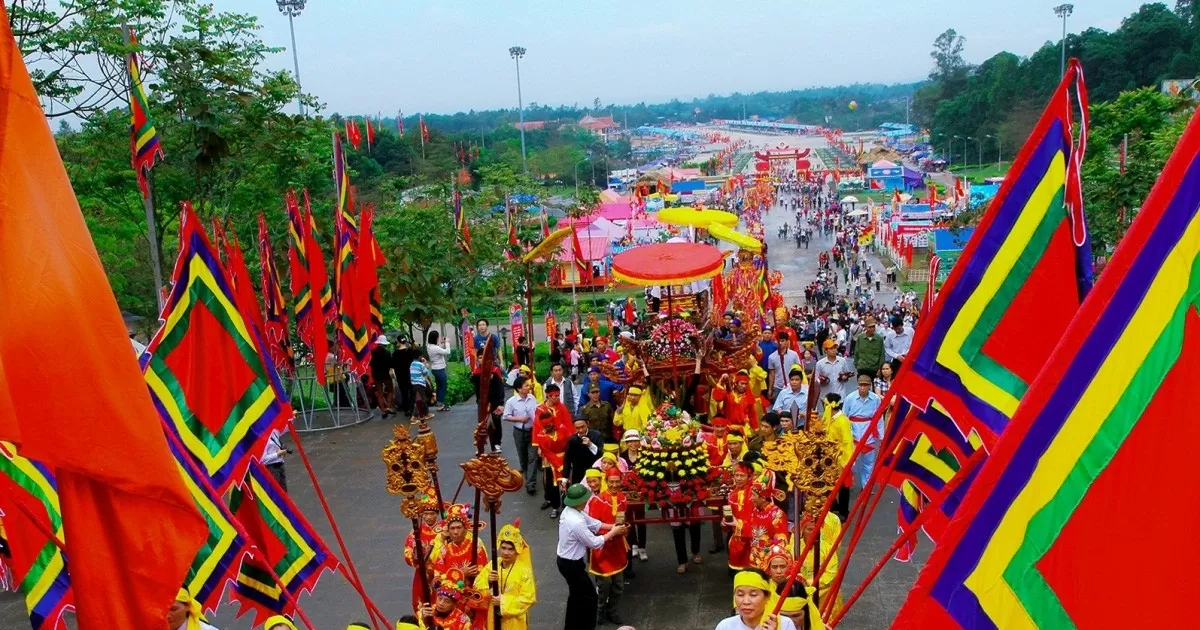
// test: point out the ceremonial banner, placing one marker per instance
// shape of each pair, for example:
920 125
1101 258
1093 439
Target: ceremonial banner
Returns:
462 234
275 319
371 258
346 228
370 133
283 538
318 277
29 501
551 325
206 367
219 557
144 142
516 319
128 525
1092 460
1011 294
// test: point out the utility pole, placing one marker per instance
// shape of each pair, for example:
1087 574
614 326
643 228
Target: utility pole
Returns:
998 149
516 52
292 8
1063 11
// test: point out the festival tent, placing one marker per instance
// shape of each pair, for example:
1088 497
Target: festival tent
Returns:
610 195
595 249
615 211
597 226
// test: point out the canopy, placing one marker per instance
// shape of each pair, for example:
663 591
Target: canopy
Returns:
861 212
668 263
905 197
730 235
850 199
547 246
697 218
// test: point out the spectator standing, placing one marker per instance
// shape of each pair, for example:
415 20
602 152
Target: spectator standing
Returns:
439 356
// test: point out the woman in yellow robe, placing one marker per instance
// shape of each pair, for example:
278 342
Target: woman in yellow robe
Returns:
514 575
830 528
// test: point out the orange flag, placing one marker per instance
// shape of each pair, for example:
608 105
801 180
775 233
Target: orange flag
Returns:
130 528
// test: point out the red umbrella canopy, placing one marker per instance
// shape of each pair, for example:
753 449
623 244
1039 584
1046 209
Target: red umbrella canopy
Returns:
668 263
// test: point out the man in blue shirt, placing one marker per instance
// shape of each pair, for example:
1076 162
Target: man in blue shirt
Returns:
481 337
768 346
860 407
794 397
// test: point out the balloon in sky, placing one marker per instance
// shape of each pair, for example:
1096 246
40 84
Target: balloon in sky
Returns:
853 105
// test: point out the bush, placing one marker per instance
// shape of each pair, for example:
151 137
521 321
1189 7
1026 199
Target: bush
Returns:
458 384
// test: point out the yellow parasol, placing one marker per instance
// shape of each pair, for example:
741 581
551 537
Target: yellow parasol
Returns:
548 245
696 218
730 235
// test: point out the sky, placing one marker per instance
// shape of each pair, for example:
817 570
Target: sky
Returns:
445 56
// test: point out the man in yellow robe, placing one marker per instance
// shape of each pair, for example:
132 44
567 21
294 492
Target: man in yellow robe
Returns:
514 578
635 411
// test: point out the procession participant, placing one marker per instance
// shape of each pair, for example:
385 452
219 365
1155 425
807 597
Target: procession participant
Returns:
635 411
522 410
431 527
830 529
768 428
607 563
405 622
578 532
780 364
837 427
448 611
495 400
737 445
777 564
604 352
279 622
583 448
896 343
538 392
550 436
868 349
738 523
566 387
795 396
787 424
453 549
801 609
717 442
768 523
860 407
632 441
599 414
186 614
753 600
680 531
697 398
615 482
832 370
740 407
513 579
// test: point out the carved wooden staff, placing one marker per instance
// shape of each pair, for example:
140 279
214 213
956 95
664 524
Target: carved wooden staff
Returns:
428 442
407 476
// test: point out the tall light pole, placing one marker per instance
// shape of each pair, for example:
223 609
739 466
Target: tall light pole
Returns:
952 139
1062 11
980 141
292 8
998 150
516 52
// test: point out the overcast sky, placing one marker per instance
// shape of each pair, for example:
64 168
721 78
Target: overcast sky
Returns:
444 56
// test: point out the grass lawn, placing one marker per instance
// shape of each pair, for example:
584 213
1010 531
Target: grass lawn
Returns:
976 174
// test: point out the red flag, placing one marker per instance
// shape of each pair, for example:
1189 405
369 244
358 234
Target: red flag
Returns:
318 284
933 198
352 133
130 526
545 225
896 196
370 257
424 130
400 124
370 134
243 288
581 262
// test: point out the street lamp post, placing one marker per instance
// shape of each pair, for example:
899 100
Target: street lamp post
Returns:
980 141
998 149
292 8
1062 11
516 52
952 139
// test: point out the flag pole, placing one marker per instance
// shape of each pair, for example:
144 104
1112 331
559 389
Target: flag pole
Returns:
148 198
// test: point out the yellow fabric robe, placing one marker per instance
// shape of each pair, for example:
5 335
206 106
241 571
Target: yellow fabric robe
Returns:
518 593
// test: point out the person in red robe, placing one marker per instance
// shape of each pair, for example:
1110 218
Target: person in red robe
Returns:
608 562
449 611
741 407
431 526
550 435
768 523
741 507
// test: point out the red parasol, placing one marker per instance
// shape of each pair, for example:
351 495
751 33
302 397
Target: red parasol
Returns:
668 263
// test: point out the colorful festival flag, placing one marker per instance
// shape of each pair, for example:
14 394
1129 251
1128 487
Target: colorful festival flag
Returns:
128 525
284 540
370 133
935 266
318 277
400 123
583 269
424 130
462 234
346 228
353 134
217 560
976 352
29 501
353 310
243 288
1090 454
370 259
551 324
144 142
516 322
206 368
275 317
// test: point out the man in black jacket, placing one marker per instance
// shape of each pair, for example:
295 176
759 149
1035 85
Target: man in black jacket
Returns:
402 359
583 449
381 376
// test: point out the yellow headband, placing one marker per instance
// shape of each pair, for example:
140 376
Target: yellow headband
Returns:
277 620
402 625
635 390
594 472
793 605
752 580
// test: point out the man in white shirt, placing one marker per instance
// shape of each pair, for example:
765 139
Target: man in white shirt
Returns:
780 364
272 458
832 371
896 343
520 409
566 386
577 533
